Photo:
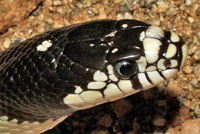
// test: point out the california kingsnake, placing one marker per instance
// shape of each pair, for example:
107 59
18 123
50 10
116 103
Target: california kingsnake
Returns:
46 78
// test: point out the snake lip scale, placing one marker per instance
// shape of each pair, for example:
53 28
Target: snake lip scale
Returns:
44 79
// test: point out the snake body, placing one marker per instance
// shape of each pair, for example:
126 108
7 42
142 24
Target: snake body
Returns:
46 78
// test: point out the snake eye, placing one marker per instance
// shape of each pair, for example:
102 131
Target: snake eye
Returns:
125 69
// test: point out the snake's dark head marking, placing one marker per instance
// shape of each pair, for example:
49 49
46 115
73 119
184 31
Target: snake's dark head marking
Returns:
46 78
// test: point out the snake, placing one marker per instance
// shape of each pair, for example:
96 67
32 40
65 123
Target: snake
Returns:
48 77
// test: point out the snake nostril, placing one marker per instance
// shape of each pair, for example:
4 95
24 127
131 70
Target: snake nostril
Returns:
167 63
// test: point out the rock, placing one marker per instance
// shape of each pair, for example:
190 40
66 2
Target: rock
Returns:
14 11
121 107
182 115
159 121
106 121
187 69
173 90
191 127
172 131
99 132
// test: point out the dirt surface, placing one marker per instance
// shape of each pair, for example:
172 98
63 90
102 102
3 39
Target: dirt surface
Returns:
14 11
172 108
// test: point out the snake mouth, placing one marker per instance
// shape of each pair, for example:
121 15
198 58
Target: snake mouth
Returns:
152 78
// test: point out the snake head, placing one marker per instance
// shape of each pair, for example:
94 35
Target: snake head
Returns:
125 56
146 55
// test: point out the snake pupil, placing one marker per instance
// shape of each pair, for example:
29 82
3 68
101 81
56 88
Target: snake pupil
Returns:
125 69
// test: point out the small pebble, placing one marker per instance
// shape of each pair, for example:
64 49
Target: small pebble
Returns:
99 132
106 121
190 19
192 50
158 131
197 54
128 15
131 132
191 127
117 1
172 131
121 107
57 2
187 69
188 2
7 43
173 90
60 10
159 121
197 110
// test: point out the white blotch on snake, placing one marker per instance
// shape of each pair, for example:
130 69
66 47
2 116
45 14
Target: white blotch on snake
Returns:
74 101
155 32
124 26
112 92
96 85
114 50
78 90
160 64
142 63
113 77
174 63
169 73
152 55
112 34
171 51
91 45
111 74
184 53
142 36
44 46
100 76
151 68
92 97
110 69
155 77
125 86
144 81
174 37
